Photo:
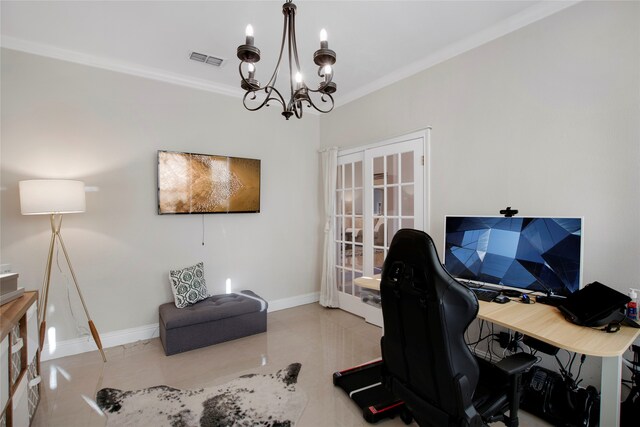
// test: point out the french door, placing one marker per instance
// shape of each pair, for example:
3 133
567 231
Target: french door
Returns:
380 190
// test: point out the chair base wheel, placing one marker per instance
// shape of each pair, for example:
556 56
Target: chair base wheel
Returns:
406 417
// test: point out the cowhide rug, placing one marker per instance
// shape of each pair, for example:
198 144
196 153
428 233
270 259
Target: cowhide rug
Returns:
250 400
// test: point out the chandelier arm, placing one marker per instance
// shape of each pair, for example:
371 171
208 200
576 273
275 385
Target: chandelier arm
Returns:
328 77
315 107
290 37
295 43
274 76
268 90
240 71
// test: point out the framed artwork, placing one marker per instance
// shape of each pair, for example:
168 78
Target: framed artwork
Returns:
190 183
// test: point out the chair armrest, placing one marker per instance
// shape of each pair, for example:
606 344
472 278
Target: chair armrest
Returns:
516 363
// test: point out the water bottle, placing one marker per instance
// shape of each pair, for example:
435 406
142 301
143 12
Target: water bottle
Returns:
632 306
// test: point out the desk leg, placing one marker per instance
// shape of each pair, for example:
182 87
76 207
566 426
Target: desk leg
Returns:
610 394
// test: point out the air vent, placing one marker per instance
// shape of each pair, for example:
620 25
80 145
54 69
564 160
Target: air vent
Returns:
207 59
212 60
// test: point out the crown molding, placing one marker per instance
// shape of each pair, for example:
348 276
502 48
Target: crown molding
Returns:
111 64
522 19
513 23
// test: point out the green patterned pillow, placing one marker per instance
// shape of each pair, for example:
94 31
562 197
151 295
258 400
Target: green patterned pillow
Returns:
188 285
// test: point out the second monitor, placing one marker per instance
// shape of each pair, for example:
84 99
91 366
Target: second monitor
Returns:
529 253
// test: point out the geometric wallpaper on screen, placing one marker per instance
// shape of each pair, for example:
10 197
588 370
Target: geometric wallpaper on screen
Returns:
530 253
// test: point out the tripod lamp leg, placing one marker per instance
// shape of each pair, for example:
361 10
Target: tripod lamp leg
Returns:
96 338
44 296
92 328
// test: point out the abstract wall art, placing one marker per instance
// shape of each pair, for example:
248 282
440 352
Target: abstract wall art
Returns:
191 183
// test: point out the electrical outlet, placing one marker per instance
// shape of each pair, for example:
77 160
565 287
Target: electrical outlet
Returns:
5 268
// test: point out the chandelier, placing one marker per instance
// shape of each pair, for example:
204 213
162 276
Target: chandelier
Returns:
300 94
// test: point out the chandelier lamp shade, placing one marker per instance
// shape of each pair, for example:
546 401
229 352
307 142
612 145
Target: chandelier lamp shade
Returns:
257 96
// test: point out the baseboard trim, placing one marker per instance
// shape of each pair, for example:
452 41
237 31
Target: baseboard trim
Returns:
141 333
110 339
284 303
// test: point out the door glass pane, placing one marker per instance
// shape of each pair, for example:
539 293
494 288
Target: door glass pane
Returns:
357 174
357 229
339 221
348 230
357 257
339 195
378 200
392 169
378 171
378 260
348 258
392 201
339 279
348 175
378 231
407 166
407 200
348 202
393 225
347 282
356 289
407 223
357 202
339 180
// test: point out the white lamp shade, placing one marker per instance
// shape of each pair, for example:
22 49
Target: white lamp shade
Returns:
49 196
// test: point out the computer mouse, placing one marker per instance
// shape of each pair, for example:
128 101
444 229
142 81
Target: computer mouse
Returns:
524 298
501 299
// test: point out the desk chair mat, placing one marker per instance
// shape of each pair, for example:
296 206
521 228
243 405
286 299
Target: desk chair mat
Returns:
363 385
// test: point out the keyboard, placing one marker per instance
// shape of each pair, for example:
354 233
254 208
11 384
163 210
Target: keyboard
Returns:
484 294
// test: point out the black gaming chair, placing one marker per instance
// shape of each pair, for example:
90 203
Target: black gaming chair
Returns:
426 361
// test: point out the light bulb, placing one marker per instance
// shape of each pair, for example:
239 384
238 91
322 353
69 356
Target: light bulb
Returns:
249 33
251 68
327 69
298 77
323 35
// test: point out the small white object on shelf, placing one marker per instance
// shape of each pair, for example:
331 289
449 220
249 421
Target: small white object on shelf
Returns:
9 289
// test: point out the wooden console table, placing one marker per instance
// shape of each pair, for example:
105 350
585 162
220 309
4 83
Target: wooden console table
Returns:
19 360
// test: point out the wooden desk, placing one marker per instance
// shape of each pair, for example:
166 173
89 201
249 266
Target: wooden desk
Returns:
547 324
368 282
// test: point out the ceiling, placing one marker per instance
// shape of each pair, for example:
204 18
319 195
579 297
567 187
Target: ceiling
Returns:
376 42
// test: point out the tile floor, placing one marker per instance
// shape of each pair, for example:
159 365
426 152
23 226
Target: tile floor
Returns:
323 340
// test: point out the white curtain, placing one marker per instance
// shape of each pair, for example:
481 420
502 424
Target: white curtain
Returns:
328 287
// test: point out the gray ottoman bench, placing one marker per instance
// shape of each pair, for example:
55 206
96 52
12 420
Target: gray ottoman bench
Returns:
214 320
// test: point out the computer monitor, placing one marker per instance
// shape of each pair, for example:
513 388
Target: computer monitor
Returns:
534 254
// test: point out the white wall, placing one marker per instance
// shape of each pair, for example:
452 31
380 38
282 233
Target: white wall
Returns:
62 120
545 119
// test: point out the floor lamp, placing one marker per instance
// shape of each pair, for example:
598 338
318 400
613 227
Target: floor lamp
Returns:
55 197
